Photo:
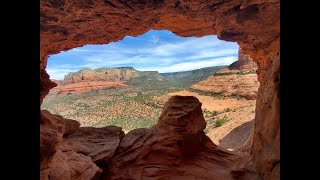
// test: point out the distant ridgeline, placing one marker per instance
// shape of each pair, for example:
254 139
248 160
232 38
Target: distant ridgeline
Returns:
103 74
135 77
187 78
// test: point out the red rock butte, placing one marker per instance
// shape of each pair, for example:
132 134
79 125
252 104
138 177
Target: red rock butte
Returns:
157 153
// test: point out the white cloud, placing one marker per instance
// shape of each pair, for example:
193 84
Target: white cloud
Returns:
152 53
209 54
58 73
187 46
186 66
154 39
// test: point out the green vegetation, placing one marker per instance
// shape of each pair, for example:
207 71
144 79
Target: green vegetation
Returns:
227 110
187 78
212 94
127 124
212 120
238 73
129 107
203 93
220 122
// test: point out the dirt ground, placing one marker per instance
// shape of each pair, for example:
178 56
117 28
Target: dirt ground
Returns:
233 134
211 103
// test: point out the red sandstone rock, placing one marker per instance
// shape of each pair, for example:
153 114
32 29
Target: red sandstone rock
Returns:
177 148
79 87
253 24
71 165
97 143
76 155
71 126
266 146
51 132
245 86
52 129
45 84
244 63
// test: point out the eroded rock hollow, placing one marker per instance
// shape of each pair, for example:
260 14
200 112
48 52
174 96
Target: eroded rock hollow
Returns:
253 24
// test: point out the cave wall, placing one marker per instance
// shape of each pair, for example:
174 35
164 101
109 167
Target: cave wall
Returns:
253 24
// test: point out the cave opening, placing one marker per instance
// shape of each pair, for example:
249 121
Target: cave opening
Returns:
127 84
68 151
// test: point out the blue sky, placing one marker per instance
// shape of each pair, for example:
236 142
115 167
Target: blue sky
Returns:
155 50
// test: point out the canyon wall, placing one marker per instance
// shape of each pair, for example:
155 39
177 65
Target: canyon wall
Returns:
244 62
253 24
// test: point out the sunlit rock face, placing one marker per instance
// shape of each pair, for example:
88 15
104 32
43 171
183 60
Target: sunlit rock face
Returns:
244 63
177 148
253 24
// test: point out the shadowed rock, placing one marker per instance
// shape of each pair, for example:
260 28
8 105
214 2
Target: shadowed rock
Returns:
176 148
52 128
71 165
98 143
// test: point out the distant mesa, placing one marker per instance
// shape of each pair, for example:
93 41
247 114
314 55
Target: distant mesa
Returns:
102 74
101 78
245 62
205 79
237 80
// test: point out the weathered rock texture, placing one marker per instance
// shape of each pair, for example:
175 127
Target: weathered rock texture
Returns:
69 152
253 24
84 153
245 86
177 148
244 63
71 165
98 143
52 128
79 87
238 79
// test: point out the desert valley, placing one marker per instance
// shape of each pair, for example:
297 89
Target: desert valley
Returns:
134 99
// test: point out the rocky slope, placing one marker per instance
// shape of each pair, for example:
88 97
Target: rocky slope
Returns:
253 24
209 103
175 148
79 87
239 79
244 63
187 78
245 86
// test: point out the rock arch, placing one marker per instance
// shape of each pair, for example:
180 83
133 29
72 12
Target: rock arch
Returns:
253 24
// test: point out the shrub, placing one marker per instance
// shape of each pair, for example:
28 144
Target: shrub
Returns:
206 130
220 122
215 113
